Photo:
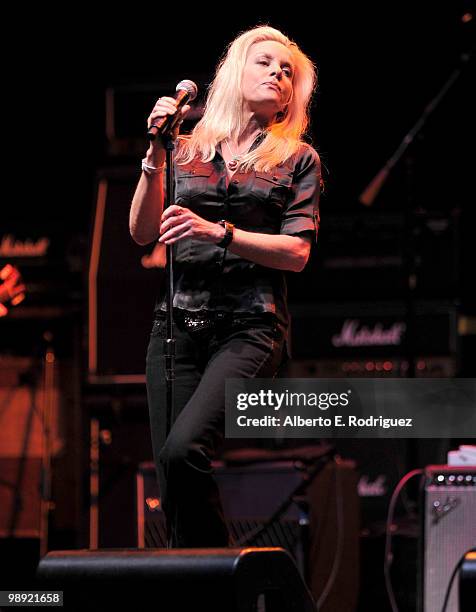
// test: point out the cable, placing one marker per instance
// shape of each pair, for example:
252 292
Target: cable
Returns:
450 584
388 556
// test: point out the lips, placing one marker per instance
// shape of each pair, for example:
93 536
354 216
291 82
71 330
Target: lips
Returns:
273 85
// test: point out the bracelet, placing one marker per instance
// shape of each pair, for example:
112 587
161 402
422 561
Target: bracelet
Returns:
151 169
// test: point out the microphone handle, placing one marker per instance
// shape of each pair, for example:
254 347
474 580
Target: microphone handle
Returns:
168 123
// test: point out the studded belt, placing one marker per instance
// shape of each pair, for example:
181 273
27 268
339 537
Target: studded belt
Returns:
202 320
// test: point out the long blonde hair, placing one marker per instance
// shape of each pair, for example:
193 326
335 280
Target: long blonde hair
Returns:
223 115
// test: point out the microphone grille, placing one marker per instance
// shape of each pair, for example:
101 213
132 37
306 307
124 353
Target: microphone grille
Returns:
189 86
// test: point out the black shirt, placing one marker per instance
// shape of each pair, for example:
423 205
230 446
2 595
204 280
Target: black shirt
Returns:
284 201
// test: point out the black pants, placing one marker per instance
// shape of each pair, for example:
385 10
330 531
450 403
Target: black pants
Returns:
245 347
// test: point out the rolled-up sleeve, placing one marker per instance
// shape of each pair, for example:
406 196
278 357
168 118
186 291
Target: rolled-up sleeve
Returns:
301 215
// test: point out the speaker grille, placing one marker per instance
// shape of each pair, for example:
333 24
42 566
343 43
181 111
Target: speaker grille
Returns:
250 496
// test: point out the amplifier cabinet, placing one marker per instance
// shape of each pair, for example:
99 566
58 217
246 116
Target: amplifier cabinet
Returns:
449 531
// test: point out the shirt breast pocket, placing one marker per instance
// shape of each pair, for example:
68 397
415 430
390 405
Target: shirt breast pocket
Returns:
192 180
274 187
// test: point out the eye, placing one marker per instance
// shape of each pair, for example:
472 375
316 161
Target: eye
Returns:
287 71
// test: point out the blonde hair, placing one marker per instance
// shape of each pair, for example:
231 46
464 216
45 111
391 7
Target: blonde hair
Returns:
223 115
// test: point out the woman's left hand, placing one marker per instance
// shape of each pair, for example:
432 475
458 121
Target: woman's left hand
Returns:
178 222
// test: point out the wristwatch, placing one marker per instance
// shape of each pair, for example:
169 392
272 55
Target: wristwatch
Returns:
228 237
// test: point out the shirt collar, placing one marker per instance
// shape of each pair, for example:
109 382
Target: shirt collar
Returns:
256 142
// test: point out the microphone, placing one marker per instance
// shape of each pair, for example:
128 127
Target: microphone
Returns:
186 91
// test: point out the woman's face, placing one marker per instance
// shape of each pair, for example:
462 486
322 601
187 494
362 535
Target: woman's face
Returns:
267 81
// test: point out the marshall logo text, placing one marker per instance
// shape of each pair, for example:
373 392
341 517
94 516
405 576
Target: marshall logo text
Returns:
10 248
353 334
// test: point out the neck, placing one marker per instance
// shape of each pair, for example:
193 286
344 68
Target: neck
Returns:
254 125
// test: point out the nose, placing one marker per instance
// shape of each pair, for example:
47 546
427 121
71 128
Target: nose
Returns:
277 71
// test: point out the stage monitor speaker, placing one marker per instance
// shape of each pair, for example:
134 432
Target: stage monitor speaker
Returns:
449 531
309 530
123 283
212 579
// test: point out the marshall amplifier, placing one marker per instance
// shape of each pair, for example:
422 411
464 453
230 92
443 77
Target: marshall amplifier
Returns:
123 282
449 531
363 256
372 367
353 331
49 259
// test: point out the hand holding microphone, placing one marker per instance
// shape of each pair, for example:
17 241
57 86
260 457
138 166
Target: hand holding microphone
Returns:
169 112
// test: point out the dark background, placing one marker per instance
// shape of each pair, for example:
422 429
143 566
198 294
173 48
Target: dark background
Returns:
378 67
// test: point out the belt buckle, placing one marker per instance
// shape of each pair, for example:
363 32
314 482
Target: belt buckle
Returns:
196 322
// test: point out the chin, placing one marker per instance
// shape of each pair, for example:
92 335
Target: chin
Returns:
269 100
264 104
